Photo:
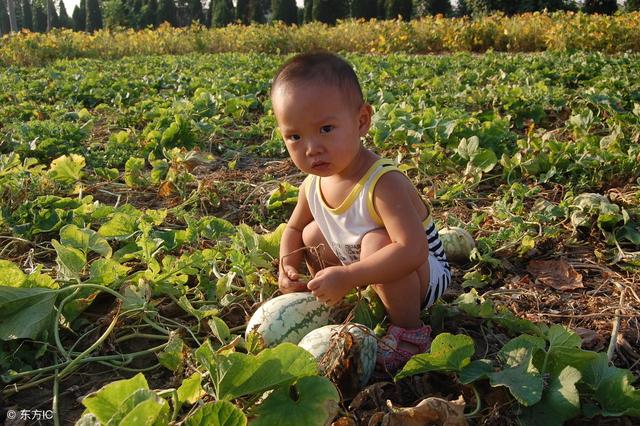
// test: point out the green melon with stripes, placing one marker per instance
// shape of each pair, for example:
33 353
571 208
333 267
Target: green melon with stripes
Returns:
288 318
325 342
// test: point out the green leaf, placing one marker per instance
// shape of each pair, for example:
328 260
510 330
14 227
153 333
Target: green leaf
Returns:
284 194
120 226
106 271
133 173
270 243
474 304
104 403
25 312
524 381
478 369
214 228
220 329
143 407
484 159
448 353
560 401
468 147
237 374
172 356
70 260
67 169
310 401
562 337
10 274
85 240
221 413
190 391
612 386
517 351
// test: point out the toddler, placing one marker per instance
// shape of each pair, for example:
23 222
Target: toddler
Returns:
377 229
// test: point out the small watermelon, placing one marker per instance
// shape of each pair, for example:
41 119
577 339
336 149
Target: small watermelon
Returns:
288 318
346 354
457 243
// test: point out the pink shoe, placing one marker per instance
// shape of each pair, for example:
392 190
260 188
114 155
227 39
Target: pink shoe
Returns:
391 357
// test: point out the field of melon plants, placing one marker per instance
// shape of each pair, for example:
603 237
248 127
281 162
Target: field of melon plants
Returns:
141 206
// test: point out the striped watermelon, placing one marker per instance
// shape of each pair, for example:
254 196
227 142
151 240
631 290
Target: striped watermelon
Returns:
288 318
326 344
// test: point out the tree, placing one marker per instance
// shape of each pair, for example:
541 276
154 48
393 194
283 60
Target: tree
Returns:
11 11
52 16
382 10
148 14
221 13
632 5
167 13
308 11
328 11
27 16
285 11
367 9
115 14
432 7
65 20
94 16
39 18
403 8
77 18
242 11
5 25
196 14
605 7
257 11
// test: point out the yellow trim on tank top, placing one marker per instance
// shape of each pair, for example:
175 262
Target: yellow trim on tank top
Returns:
347 202
372 210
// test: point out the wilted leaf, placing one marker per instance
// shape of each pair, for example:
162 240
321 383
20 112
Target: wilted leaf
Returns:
558 274
10 274
429 411
190 391
67 169
285 193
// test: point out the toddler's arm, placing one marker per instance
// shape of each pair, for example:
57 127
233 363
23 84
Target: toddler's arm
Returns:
290 255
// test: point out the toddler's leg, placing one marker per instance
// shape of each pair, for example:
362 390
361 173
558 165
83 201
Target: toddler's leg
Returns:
312 237
402 298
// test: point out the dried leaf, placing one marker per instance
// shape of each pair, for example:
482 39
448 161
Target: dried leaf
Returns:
590 339
344 421
166 189
430 411
558 274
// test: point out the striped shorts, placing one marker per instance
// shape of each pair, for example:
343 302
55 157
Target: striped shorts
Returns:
439 270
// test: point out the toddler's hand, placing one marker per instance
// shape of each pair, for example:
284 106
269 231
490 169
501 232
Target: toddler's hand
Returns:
330 284
288 280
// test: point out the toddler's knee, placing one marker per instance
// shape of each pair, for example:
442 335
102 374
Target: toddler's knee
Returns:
374 241
311 235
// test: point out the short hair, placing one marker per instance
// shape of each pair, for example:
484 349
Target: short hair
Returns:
323 67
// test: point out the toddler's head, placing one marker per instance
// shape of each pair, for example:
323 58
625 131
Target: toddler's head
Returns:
321 113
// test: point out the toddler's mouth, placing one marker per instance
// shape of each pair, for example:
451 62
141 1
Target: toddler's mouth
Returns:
319 165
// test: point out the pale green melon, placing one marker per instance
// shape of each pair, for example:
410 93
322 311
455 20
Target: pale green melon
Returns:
288 318
457 243
331 346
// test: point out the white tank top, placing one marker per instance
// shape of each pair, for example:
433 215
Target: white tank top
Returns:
344 226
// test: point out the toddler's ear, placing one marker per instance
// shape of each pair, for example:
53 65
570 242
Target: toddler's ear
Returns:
364 118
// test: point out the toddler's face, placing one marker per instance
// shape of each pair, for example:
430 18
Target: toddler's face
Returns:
320 125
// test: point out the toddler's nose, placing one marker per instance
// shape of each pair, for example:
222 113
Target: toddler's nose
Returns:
314 147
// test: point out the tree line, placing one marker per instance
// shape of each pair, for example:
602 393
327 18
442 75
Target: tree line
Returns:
91 15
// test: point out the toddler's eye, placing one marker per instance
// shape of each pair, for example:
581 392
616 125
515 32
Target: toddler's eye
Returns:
326 129
294 138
